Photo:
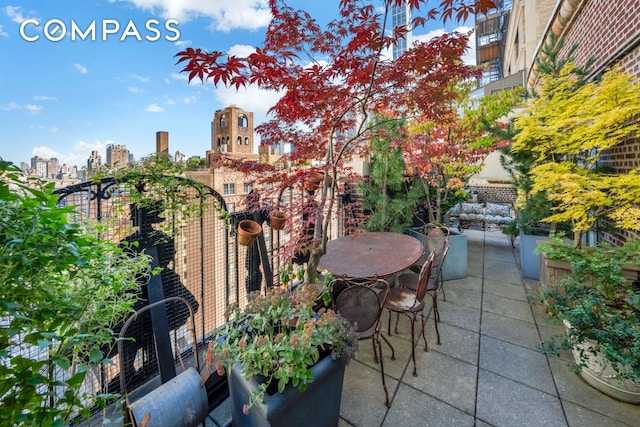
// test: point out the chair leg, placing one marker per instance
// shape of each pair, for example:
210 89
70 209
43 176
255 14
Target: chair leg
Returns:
393 350
422 321
436 316
397 320
413 346
375 352
384 383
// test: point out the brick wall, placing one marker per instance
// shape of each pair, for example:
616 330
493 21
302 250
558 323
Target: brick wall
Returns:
495 193
604 30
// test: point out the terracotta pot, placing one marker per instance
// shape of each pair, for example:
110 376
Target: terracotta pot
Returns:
313 181
248 232
278 219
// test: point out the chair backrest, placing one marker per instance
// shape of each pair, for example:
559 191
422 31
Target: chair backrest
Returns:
362 301
423 278
436 269
436 238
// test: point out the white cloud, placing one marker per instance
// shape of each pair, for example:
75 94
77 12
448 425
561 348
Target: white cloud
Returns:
241 50
29 108
135 89
14 13
77 154
189 99
3 33
141 79
179 76
10 106
44 98
154 108
469 57
181 44
226 15
250 99
81 69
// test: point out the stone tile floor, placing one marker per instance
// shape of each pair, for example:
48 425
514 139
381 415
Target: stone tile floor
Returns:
488 371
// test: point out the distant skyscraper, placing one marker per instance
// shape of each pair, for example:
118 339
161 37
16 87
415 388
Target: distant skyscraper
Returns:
401 17
117 155
94 162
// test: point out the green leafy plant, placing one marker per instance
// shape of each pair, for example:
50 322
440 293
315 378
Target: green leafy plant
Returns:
279 336
567 129
157 177
388 197
599 302
62 290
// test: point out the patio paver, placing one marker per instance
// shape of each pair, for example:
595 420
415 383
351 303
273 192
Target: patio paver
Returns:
489 370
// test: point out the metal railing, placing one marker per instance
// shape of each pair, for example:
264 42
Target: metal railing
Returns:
199 254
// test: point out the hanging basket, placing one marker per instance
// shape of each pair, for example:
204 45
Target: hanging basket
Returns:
278 219
248 232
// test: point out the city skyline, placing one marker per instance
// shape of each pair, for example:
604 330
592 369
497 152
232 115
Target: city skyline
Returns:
112 77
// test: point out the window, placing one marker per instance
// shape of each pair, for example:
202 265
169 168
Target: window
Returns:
248 187
242 121
223 121
246 141
229 188
239 140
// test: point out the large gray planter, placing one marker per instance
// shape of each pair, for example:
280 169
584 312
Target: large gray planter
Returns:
529 260
317 406
455 265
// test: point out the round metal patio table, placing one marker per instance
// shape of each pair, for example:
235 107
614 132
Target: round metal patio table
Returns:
370 254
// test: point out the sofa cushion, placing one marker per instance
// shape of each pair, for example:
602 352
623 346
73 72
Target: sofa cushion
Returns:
494 209
472 208
497 219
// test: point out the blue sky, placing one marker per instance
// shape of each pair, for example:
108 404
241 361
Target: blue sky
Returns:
66 98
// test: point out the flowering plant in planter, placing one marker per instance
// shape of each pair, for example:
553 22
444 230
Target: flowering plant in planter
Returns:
280 337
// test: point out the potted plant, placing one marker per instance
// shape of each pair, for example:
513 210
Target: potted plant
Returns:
325 108
388 197
600 308
445 151
63 291
277 347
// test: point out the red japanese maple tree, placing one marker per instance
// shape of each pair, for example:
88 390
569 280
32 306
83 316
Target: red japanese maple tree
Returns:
445 152
331 81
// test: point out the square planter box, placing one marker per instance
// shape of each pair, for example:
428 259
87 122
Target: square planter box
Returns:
529 260
318 406
455 265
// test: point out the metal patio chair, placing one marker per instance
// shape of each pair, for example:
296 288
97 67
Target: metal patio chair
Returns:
361 302
411 303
